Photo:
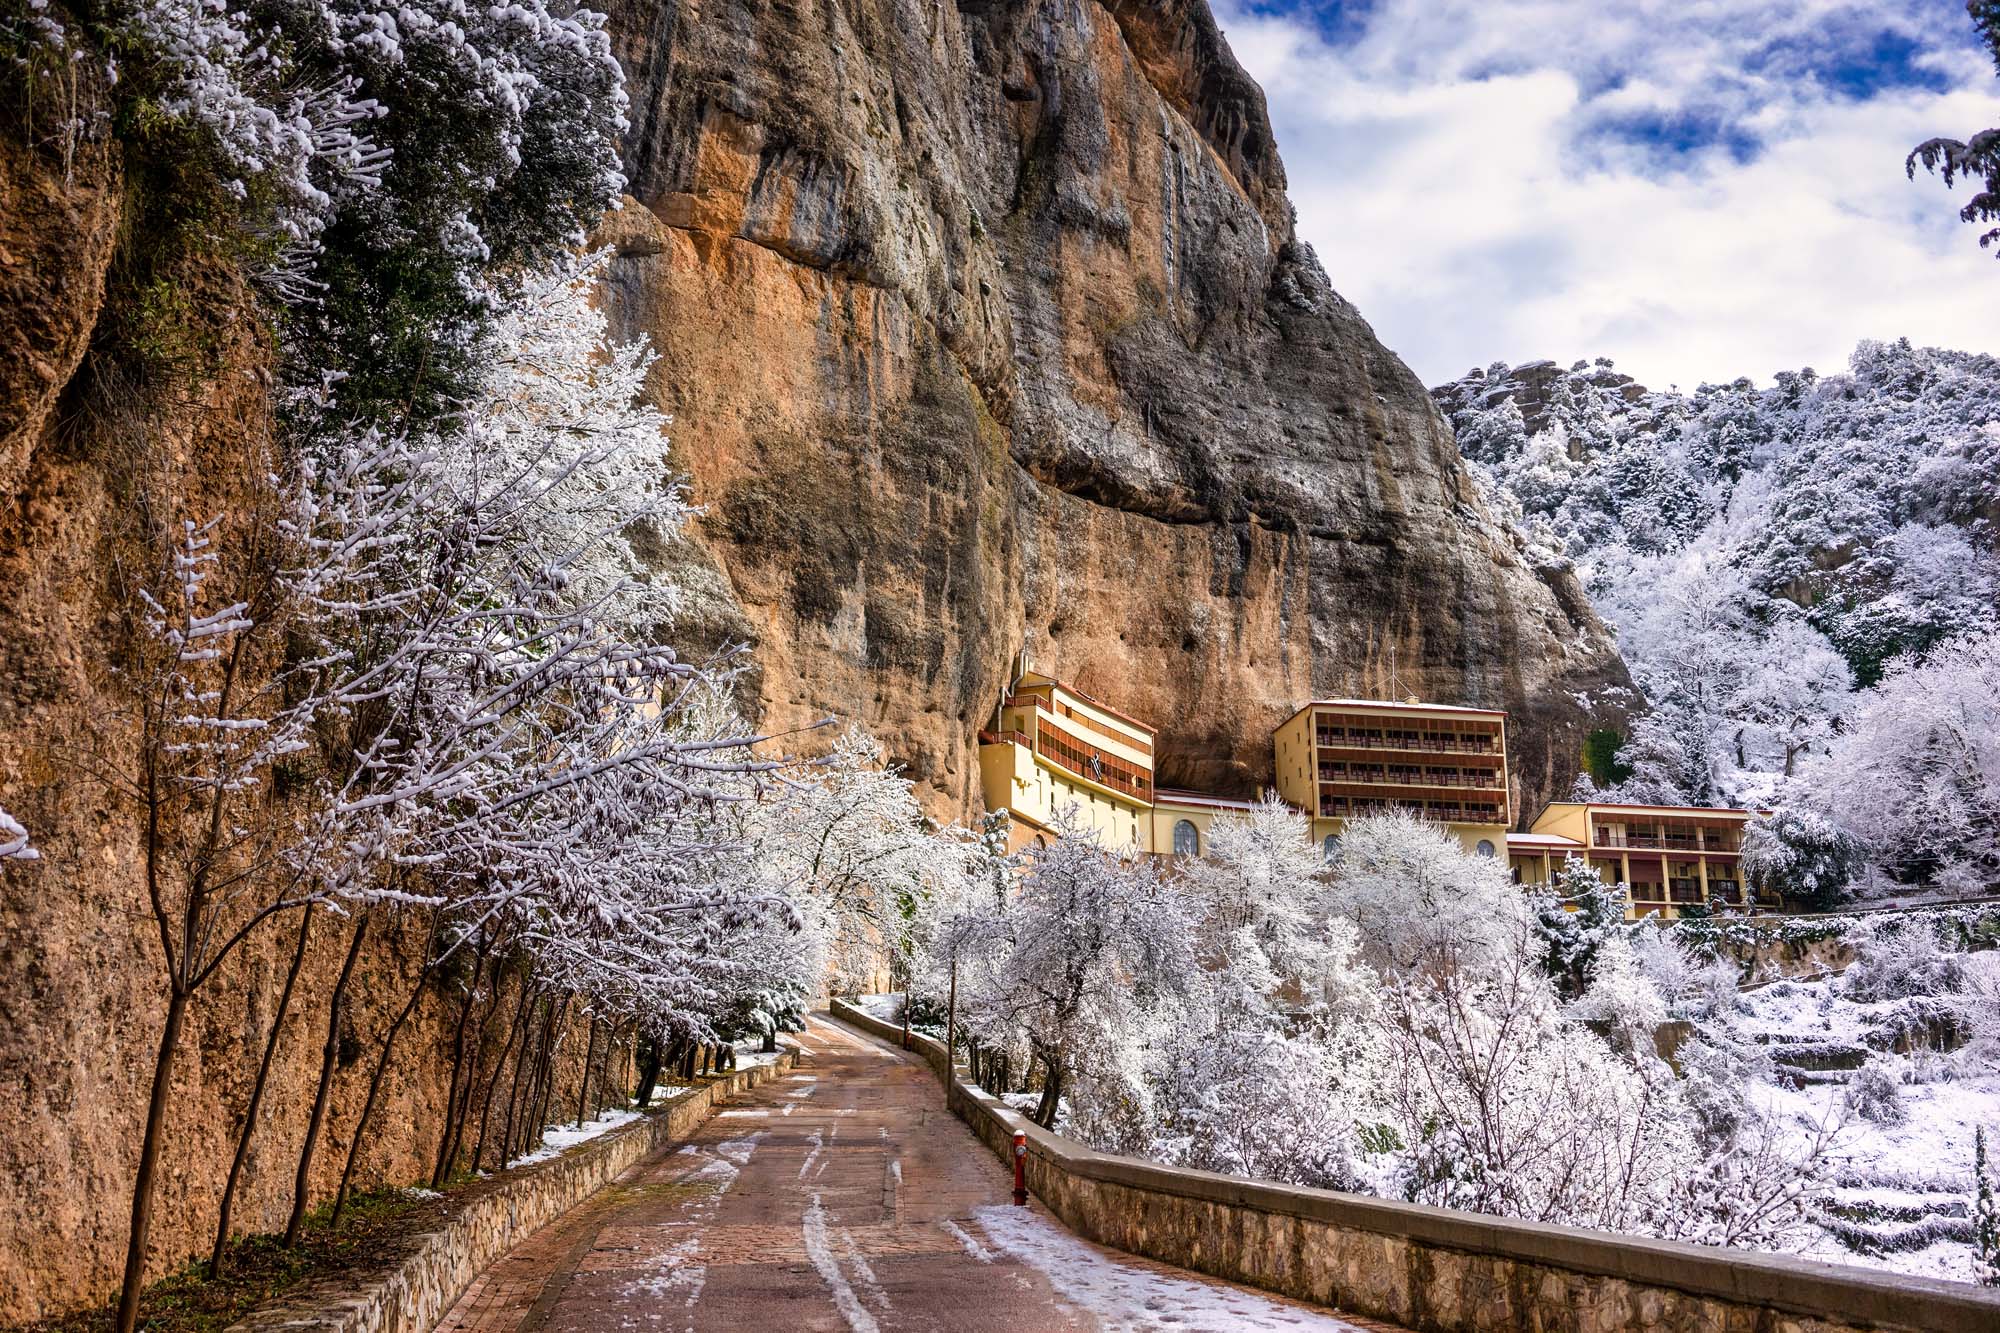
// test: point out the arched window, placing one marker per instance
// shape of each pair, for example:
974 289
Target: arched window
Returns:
1485 847
1329 847
1187 838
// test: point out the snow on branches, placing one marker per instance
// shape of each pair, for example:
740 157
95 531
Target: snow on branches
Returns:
1389 1022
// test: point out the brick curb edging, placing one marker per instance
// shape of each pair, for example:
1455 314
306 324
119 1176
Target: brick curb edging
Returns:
491 1218
1439 1269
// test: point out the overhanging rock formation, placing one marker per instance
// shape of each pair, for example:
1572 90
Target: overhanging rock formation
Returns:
988 320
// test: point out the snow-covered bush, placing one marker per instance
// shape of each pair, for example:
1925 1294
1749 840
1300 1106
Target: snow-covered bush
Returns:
1975 1005
1899 957
1875 1093
1622 998
1693 986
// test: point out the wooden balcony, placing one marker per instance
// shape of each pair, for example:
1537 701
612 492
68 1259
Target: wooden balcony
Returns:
1719 841
1473 782
1432 744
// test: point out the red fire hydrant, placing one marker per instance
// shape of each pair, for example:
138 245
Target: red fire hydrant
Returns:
1021 1168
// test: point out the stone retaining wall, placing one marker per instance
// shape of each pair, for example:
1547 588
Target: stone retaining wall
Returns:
426 1277
1439 1269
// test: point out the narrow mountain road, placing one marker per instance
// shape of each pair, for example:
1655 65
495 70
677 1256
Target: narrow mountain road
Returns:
843 1198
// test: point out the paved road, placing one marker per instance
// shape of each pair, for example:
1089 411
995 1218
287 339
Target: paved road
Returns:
843 1197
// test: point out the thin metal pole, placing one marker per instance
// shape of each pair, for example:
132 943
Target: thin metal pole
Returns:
951 1022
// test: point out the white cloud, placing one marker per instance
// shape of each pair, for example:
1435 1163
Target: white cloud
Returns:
1471 179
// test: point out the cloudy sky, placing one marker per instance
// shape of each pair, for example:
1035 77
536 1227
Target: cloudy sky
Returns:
1698 189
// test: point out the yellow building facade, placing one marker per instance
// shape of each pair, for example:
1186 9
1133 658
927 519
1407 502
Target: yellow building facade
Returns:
1054 747
1672 857
1339 758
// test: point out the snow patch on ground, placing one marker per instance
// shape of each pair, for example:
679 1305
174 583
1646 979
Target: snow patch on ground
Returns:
676 1274
965 1238
887 1006
819 1249
1896 1194
1132 1299
558 1139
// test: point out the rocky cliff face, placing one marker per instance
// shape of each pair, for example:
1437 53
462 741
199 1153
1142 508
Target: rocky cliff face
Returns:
986 323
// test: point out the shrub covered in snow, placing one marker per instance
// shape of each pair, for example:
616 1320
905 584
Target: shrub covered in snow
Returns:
1898 957
1875 1093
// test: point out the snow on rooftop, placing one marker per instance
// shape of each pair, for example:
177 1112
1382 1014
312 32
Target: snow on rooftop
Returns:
1178 796
1540 840
1417 706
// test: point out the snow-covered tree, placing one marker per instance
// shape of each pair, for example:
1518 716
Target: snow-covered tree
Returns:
1803 857
1419 899
1916 774
1976 159
1264 875
1085 962
1574 914
847 835
1985 1215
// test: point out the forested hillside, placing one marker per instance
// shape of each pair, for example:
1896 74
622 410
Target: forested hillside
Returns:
1802 578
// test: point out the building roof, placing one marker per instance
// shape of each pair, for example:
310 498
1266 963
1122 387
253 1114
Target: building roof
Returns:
1391 704
1654 809
1540 840
1179 796
1039 678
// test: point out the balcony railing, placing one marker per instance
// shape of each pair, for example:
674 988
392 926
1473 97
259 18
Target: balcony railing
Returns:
1335 809
1685 890
1425 744
1089 724
1409 780
1632 842
1005 738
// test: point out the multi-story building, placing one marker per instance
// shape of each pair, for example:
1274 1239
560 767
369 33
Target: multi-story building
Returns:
1338 758
1670 856
1052 747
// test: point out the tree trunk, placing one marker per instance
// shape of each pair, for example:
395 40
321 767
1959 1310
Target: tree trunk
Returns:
257 1097
1045 1113
301 1185
583 1084
522 1063
543 1089
149 1161
459 1100
649 1069
514 1031
375 1082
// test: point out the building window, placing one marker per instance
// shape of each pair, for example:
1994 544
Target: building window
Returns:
1329 847
1187 838
1485 847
